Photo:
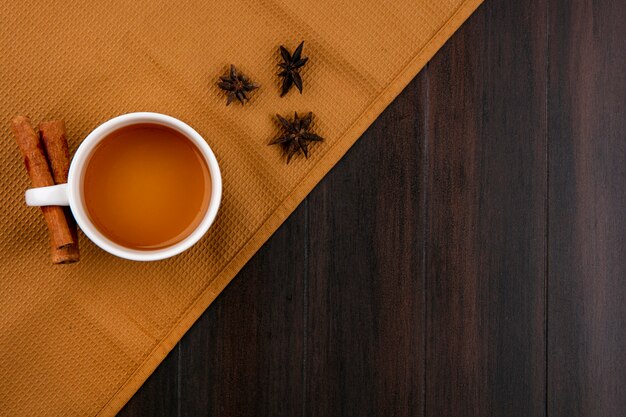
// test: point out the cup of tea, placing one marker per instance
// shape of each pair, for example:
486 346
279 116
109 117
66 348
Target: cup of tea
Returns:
142 186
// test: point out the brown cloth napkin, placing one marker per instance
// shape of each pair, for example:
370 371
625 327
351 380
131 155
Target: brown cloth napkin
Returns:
81 339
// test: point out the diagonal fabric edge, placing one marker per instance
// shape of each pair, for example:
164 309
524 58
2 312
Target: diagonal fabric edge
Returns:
188 318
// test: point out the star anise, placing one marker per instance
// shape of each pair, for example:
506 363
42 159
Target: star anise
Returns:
291 66
296 135
236 85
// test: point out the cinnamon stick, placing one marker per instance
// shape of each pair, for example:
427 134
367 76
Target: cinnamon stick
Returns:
37 168
55 143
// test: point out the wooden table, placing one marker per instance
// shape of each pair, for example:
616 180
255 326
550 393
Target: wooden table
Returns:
466 258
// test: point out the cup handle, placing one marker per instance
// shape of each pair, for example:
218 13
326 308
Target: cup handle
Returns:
54 195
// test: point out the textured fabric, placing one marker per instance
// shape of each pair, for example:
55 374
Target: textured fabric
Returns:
81 339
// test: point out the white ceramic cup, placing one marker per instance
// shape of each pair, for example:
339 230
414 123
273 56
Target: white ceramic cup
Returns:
71 194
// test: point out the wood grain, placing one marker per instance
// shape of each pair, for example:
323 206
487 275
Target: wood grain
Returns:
365 305
485 349
587 200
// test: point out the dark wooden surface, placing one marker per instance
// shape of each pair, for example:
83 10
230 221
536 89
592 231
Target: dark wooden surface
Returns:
467 257
587 209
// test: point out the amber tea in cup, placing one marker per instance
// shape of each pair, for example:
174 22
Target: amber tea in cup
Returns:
146 186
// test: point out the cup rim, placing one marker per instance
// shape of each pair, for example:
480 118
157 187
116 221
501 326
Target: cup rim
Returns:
75 185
